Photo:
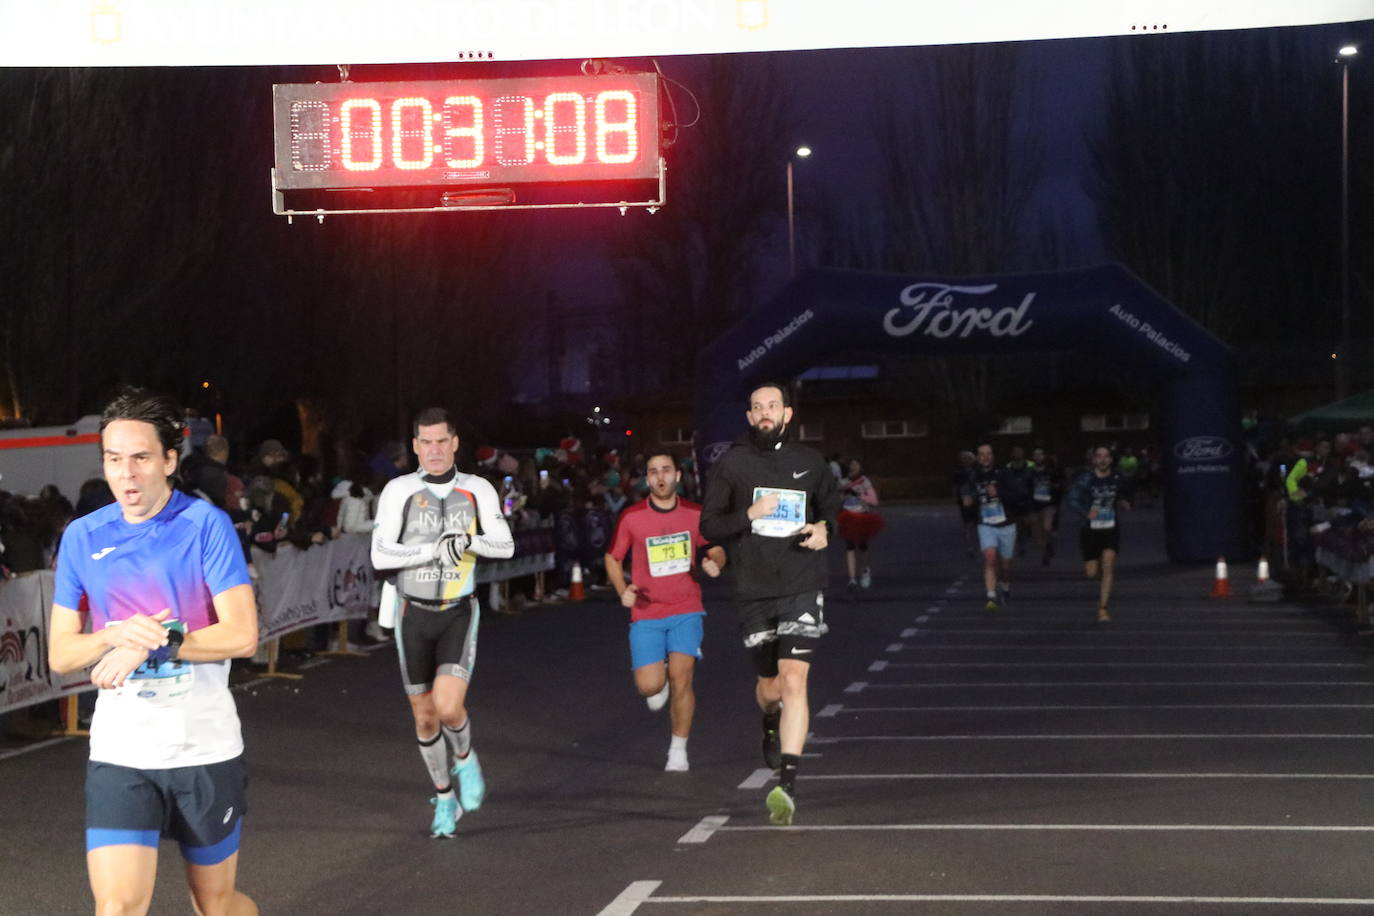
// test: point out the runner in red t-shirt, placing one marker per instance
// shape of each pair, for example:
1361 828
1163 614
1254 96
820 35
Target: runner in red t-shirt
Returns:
663 536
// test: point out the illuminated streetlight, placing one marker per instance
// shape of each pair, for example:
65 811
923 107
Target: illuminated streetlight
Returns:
801 153
1347 54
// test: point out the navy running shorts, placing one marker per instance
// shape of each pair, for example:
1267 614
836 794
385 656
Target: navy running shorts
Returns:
200 807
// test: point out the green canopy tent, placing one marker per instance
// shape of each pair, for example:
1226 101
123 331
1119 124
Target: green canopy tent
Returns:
1352 411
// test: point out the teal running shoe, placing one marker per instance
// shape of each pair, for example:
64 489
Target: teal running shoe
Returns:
472 788
781 807
446 814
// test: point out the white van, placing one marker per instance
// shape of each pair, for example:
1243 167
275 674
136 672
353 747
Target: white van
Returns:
67 456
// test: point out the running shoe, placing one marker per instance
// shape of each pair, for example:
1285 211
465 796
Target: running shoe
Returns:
472 788
866 580
772 743
1005 591
1102 615
852 587
446 814
991 607
781 807
658 700
677 762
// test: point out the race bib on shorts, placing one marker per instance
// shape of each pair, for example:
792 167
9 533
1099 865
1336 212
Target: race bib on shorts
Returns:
787 519
1042 493
669 554
1106 518
992 513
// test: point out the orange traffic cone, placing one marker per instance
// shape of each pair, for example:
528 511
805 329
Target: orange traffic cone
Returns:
575 590
1262 574
1221 586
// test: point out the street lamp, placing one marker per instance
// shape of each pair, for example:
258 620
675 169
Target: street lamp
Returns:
1346 53
801 153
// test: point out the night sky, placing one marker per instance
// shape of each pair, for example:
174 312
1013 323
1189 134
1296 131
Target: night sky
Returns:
256 296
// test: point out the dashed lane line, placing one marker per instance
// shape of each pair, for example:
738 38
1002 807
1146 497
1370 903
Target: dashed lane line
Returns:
946 685
641 892
1098 706
1102 736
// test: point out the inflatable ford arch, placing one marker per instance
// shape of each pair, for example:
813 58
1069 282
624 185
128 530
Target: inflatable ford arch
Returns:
1106 308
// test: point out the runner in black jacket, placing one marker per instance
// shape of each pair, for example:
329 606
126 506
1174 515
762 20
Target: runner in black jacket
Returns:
772 504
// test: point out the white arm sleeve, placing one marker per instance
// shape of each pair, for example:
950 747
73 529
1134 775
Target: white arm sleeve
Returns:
387 551
495 540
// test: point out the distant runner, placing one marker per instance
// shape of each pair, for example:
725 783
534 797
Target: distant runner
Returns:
1098 493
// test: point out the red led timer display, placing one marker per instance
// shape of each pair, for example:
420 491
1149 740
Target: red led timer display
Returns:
466 132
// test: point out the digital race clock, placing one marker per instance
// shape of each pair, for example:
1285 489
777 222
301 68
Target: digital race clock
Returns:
477 139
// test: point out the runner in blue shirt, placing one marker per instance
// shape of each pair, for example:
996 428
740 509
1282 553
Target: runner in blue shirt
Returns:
153 592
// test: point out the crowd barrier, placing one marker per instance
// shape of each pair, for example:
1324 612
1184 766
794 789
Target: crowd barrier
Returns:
295 589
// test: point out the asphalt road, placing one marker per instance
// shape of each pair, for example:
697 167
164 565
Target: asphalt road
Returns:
1192 756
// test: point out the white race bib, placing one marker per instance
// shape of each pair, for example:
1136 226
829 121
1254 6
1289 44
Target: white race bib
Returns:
166 685
992 513
787 519
1106 518
669 554
1042 493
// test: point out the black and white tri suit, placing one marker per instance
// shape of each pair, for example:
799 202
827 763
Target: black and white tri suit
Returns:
436 625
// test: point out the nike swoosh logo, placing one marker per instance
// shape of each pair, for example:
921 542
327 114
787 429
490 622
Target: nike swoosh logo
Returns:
103 551
798 475
796 651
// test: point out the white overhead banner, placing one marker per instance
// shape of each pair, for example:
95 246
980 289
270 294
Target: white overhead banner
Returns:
181 33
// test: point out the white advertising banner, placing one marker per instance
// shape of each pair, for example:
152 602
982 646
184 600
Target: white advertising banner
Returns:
300 588
25 678
211 33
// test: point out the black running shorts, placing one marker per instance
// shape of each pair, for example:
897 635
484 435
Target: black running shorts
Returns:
1095 540
790 626
197 806
431 641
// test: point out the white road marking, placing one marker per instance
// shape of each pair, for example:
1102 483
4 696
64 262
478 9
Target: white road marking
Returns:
942 685
703 830
20 751
1148 736
864 777
856 687
1127 647
895 647
1097 633
1002 666
1110 828
630 898
979 898
878 665
1115 706
757 779
828 712
908 632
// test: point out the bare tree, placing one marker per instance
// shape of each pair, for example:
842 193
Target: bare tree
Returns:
959 165
1217 165
694 264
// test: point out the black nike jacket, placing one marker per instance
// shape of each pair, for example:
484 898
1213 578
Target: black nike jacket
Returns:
768 567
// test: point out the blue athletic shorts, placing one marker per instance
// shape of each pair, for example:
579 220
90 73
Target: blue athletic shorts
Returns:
652 640
1001 538
201 807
